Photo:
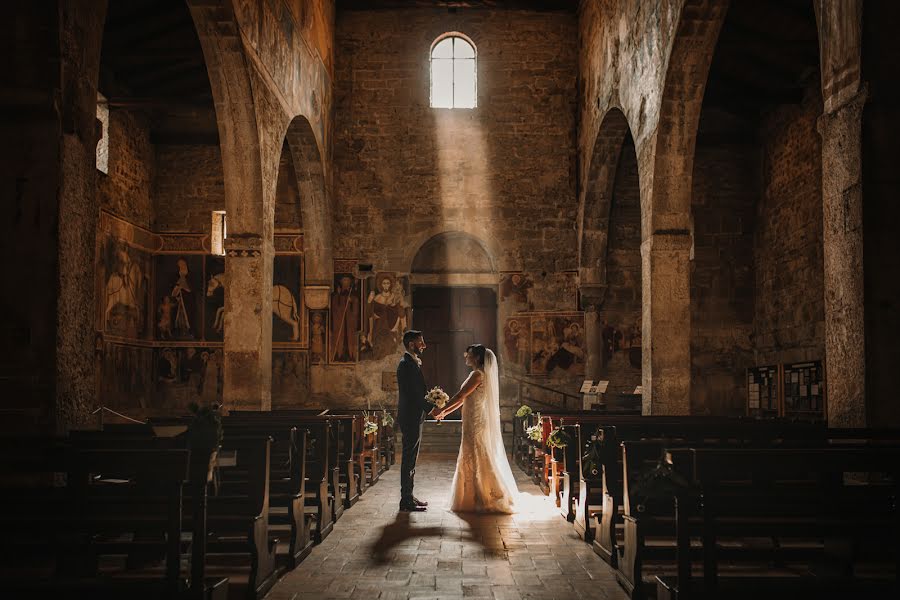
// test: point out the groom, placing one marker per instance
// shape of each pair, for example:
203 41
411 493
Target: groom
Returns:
411 411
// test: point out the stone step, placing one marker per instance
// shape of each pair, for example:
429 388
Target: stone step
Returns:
444 437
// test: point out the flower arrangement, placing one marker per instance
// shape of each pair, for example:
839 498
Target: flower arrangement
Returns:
534 432
523 411
205 429
438 397
558 438
387 419
371 426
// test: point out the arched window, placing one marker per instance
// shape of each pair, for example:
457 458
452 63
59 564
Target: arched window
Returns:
453 73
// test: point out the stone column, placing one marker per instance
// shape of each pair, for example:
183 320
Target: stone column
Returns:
845 351
666 302
248 322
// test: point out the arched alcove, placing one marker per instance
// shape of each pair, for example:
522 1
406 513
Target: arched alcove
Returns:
453 252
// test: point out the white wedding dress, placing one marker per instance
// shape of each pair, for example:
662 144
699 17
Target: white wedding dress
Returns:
483 481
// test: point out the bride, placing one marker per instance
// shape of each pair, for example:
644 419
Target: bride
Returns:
483 481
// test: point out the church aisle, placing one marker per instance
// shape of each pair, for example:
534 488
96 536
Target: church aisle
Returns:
377 552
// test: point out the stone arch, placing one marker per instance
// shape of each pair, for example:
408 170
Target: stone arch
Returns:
593 238
682 96
666 211
230 81
453 252
247 364
315 206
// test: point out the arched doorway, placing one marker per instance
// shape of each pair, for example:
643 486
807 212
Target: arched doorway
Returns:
454 298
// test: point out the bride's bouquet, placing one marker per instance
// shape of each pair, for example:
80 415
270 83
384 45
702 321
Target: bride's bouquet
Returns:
438 397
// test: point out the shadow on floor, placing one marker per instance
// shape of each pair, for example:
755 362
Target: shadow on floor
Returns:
399 531
485 530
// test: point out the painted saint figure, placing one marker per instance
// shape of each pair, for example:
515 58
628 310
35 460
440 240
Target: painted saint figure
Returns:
384 312
183 295
344 321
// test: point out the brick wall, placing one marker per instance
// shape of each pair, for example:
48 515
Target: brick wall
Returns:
789 322
726 189
125 190
503 171
189 185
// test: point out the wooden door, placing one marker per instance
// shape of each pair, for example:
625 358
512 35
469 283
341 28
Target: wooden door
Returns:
450 319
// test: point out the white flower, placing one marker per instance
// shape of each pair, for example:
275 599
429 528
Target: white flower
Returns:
438 397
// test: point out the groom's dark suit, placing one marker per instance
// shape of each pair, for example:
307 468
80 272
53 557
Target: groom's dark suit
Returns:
411 410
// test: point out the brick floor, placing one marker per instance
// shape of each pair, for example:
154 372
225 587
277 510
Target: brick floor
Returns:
376 551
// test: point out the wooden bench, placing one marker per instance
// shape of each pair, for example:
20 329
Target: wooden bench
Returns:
321 473
238 517
96 523
646 544
287 487
823 524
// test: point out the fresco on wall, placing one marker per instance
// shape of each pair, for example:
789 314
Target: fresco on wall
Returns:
387 315
619 337
125 273
215 299
179 294
557 344
345 319
516 341
515 291
318 334
287 309
126 381
185 375
290 377
554 291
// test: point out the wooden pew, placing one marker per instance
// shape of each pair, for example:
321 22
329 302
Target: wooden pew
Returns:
111 527
321 474
344 487
645 519
238 516
790 495
287 487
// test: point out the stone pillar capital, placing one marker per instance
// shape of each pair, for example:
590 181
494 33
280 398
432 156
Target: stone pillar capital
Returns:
591 296
848 109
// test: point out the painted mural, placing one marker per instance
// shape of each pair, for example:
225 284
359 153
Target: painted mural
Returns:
618 337
287 298
214 313
318 334
188 374
515 290
345 319
179 297
387 315
126 381
290 377
557 344
517 342
125 275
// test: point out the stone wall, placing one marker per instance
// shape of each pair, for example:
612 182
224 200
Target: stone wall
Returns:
621 311
126 189
726 190
189 185
789 317
502 172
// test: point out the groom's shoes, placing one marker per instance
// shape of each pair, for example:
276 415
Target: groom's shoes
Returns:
419 502
411 506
